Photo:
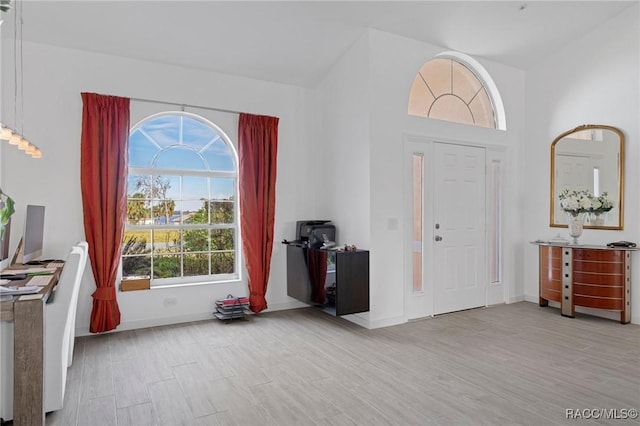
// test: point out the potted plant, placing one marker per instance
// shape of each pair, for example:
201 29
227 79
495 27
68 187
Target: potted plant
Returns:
6 210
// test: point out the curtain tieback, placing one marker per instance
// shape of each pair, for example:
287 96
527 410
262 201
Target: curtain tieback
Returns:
104 293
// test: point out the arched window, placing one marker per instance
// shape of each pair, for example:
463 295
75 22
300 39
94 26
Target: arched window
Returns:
182 209
454 87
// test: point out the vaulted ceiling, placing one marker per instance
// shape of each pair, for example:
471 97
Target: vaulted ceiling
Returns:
297 42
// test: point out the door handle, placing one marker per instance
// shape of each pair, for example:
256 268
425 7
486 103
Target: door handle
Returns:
438 238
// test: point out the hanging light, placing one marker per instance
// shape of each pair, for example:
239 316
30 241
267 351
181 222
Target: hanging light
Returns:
31 148
6 133
15 139
23 144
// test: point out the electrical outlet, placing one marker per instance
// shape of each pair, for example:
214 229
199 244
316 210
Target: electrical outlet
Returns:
170 301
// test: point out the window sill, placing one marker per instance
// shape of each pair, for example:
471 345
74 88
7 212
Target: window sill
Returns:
193 284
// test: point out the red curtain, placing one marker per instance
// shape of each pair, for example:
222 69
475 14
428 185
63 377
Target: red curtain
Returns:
103 169
257 152
317 268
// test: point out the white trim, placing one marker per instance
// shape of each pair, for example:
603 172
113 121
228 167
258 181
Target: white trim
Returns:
383 322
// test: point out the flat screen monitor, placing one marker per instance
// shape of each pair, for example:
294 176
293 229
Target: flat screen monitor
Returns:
33 233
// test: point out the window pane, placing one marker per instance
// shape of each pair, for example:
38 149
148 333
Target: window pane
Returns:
138 212
136 242
437 74
482 110
495 224
166 266
196 240
222 212
166 241
223 188
222 239
418 183
196 264
141 150
136 265
179 157
219 157
222 263
197 134
163 131
135 184
195 190
420 98
465 83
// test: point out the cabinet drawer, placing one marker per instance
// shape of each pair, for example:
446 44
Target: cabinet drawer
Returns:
550 274
598 302
550 253
598 255
551 293
614 280
597 291
598 267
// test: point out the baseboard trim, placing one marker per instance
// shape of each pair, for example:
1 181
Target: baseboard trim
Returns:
178 319
385 322
283 306
527 298
152 322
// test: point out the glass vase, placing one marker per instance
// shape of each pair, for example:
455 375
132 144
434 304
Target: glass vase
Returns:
576 225
597 218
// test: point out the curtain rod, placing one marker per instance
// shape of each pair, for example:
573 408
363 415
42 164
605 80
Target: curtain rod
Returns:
152 101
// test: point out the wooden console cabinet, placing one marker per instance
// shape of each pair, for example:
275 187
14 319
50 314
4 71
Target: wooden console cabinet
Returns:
588 276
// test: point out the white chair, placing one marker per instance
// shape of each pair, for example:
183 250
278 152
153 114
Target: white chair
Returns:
57 330
74 301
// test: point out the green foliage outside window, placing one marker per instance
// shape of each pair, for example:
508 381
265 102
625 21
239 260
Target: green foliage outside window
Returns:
202 248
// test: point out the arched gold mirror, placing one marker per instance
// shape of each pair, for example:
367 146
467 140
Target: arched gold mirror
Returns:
589 159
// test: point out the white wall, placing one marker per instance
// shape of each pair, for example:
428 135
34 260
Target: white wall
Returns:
53 80
594 80
342 144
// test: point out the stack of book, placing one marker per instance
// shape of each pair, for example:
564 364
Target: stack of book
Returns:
232 307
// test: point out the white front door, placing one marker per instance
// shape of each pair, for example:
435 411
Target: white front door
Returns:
458 228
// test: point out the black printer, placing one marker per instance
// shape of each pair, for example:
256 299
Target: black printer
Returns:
315 233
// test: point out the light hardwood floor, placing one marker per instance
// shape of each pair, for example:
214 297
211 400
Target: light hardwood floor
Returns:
503 365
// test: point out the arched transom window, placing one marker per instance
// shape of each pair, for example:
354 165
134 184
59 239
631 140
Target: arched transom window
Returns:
447 89
182 210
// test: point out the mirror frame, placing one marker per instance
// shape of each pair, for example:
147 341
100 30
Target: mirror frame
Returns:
553 195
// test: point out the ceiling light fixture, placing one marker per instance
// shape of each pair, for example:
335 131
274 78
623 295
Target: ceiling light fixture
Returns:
6 133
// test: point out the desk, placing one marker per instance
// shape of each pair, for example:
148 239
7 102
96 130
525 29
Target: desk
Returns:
27 314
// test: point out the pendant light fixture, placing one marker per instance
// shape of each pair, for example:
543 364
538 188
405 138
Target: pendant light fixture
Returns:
9 134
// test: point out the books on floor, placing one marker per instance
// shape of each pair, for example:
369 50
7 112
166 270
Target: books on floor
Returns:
232 307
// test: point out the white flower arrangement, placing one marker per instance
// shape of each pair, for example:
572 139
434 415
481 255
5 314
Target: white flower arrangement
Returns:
575 202
602 203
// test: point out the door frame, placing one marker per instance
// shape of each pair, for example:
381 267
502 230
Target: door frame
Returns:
494 292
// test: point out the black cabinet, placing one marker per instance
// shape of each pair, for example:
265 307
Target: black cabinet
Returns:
337 281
